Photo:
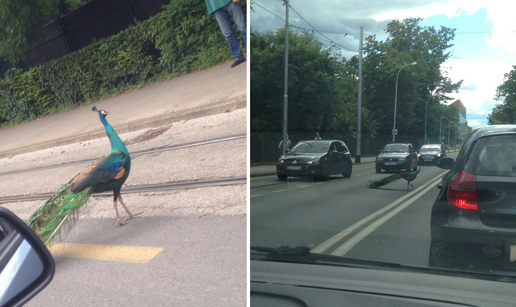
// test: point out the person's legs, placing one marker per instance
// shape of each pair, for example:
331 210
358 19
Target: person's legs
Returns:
226 26
237 14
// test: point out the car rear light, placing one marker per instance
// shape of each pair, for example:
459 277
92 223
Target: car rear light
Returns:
462 192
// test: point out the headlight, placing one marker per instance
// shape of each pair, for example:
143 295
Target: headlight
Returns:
438 155
379 159
314 162
281 161
419 155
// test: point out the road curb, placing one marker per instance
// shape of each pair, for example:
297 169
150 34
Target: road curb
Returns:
165 119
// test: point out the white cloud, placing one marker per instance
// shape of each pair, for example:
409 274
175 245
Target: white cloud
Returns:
486 74
499 12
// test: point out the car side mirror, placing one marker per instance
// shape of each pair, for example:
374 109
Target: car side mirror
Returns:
26 265
412 151
379 150
446 163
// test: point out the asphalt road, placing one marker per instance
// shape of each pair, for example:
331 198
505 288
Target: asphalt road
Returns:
188 247
344 217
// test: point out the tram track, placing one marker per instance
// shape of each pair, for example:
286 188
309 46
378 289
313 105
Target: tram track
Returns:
140 189
133 154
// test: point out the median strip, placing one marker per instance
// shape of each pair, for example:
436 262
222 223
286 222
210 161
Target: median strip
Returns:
134 254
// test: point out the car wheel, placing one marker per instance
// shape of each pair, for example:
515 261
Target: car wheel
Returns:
349 169
326 172
282 177
378 170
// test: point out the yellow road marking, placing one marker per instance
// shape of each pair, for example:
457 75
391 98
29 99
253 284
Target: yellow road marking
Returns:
319 182
135 254
256 195
280 190
304 186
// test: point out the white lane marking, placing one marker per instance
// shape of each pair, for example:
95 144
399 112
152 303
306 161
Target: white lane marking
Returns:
341 235
348 245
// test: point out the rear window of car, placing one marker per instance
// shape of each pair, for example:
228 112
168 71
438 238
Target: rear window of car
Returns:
493 156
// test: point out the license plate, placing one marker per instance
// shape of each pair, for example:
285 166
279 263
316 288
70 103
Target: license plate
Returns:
512 256
390 163
294 168
428 159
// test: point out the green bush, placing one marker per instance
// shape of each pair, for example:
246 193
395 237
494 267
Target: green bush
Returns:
183 37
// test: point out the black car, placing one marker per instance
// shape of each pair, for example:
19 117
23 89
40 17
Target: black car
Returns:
316 158
397 156
473 222
430 154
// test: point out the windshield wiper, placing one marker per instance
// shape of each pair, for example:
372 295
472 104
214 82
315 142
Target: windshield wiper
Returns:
283 250
301 254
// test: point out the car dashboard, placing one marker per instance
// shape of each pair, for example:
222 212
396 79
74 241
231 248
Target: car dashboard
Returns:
292 284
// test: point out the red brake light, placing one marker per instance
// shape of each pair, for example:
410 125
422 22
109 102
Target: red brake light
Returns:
462 192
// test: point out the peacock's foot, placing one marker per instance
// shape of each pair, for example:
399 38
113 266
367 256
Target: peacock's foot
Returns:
131 215
119 223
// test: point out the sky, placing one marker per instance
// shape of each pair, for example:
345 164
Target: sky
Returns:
484 45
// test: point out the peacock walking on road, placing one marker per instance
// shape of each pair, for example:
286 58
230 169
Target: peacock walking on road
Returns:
106 174
409 176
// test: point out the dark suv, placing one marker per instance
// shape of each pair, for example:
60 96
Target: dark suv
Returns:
473 222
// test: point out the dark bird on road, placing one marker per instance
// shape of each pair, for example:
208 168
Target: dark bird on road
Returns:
106 174
409 176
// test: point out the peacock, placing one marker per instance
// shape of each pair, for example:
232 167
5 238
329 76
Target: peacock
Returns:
409 176
105 174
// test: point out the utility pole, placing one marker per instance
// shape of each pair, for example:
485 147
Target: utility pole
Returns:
359 104
285 95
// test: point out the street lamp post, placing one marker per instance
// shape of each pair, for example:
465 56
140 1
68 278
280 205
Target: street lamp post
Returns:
396 101
449 121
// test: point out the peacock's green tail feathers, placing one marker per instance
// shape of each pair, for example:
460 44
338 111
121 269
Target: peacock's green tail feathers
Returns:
378 183
58 213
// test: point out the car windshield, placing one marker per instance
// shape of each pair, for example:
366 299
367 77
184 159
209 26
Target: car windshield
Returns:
430 148
310 147
430 77
395 148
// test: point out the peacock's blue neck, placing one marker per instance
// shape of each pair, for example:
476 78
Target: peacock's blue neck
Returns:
116 142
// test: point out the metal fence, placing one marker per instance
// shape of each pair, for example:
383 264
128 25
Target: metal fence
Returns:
264 145
76 29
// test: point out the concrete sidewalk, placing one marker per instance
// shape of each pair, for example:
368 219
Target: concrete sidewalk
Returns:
268 169
193 95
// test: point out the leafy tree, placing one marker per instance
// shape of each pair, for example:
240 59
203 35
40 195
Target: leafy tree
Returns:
506 92
321 87
419 85
21 23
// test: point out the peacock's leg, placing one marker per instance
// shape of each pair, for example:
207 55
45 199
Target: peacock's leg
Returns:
129 214
118 222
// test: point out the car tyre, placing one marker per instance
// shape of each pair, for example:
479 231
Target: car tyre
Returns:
349 170
326 173
378 170
282 177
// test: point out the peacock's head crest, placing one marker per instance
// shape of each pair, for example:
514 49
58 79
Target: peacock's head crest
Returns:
102 112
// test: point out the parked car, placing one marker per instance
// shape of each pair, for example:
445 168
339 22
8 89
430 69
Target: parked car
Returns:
397 156
430 154
473 222
316 158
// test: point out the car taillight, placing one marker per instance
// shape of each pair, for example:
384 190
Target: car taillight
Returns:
462 192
